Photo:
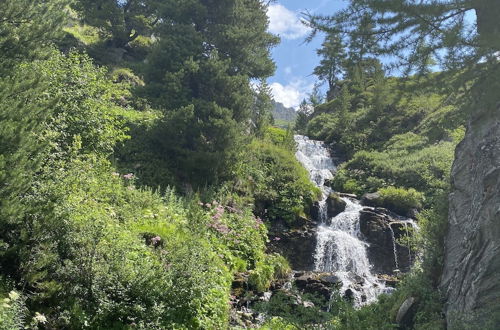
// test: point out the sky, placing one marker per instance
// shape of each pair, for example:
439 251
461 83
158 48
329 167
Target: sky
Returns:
295 59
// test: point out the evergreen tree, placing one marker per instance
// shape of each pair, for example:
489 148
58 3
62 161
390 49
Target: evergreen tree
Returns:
416 31
262 116
333 60
120 21
303 115
27 27
201 69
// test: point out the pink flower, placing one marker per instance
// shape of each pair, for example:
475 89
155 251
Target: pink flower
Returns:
155 240
277 238
129 176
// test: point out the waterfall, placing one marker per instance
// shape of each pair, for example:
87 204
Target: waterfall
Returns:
394 246
340 248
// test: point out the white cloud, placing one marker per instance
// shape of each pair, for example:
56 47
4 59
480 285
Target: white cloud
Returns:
292 94
286 23
288 70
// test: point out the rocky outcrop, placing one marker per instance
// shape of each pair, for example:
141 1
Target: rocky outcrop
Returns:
470 280
296 244
334 205
383 231
321 284
406 313
371 199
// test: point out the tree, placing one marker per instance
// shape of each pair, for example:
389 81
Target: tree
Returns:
199 74
332 64
413 32
120 21
303 116
27 27
262 108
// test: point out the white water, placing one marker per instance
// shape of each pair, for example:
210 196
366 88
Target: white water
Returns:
340 248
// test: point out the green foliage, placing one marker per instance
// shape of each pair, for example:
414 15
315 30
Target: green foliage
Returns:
12 311
409 164
27 28
272 267
279 184
401 200
119 21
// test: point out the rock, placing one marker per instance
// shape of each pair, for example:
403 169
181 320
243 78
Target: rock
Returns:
470 280
371 199
382 232
321 284
406 313
296 245
349 295
335 205
345 195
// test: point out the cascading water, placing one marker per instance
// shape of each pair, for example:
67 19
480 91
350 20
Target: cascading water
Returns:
339 248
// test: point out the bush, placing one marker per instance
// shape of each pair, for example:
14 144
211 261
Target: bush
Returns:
401 200
279 184
272 267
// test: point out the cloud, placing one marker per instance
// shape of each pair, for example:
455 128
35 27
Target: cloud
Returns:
288 70
286 23
292 94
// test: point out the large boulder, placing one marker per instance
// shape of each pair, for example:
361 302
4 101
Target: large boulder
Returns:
335 205
371 199
382 232
470 279
406 313
297 245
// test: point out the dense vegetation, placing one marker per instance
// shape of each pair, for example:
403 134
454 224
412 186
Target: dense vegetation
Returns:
136 162
139 170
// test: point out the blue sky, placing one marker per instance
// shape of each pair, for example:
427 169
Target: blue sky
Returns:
295 59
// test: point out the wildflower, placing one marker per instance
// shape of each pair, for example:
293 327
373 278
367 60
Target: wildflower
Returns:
129 176
277 238
40 318
155 240
115 174
13 295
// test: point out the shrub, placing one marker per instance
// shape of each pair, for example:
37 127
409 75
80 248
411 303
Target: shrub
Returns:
279 184
272 267
401 200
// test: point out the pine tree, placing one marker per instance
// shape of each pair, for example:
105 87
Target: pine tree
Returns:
199 73
262 109
120 21
27 28
332 64
303 116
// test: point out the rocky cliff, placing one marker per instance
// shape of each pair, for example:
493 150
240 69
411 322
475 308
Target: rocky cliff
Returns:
471 275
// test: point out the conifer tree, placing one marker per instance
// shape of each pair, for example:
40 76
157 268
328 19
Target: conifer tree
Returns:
120 21
332 64
199 73
262 108
27 27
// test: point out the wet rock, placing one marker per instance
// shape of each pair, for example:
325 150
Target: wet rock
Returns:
406 313
382 231
335 205
297 245
321 284
345 195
